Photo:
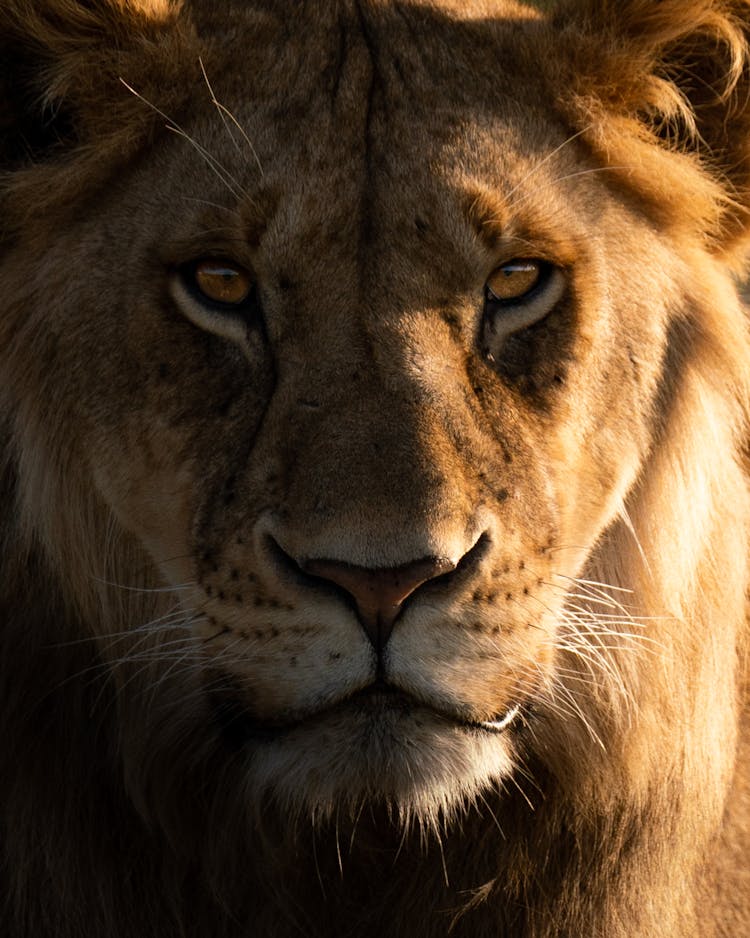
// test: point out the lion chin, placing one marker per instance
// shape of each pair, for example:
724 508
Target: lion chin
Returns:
375 515
378 745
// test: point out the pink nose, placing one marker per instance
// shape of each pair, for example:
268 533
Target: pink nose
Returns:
379 593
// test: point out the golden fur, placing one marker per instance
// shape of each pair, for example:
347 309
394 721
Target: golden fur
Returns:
199 736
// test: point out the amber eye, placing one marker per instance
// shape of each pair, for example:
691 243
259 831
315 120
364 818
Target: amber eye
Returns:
514 280
218 295
222 282
517 295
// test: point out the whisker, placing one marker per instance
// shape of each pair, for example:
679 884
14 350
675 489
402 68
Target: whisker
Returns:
213 164
113 638
487 805
570 705
143 589
546 160
220 171
224 112
604 586
223 208
551 183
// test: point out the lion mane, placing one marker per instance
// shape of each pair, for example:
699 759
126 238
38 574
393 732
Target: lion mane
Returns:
374 394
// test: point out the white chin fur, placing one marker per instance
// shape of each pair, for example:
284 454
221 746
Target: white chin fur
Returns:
424 767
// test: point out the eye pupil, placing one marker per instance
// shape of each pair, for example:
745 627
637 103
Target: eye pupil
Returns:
514 280
221 282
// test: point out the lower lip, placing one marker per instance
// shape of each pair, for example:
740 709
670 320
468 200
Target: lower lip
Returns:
242 728
497 726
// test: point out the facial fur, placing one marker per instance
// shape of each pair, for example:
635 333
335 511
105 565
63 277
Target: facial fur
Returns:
357 542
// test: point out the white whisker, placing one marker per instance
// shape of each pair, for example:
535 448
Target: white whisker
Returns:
225 113
220 171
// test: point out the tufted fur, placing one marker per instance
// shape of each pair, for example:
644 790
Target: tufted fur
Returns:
190 744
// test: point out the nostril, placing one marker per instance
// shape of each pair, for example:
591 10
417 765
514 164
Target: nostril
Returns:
379 593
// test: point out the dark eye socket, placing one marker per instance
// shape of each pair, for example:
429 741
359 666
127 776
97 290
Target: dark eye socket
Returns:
517 295
218 282
516 281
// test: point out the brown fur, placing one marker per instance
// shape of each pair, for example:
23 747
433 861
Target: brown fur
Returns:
181 753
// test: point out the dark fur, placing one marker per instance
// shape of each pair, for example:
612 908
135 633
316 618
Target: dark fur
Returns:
124 812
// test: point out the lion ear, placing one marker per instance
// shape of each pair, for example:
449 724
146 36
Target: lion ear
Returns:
673 74
62 63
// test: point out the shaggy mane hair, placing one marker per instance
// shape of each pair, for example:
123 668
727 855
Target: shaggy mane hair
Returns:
124 813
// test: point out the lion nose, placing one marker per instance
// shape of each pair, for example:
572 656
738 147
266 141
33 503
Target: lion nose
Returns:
379 593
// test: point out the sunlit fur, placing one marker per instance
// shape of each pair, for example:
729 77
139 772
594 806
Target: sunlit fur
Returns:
619 806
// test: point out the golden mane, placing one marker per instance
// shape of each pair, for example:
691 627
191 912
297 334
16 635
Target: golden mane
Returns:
132 802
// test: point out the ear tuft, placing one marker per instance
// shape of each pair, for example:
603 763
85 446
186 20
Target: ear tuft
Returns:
663 89
60 59
67 120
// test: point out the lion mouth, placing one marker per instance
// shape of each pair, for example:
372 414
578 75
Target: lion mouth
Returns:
501 723
374 704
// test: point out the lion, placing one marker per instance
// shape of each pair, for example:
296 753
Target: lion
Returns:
374 395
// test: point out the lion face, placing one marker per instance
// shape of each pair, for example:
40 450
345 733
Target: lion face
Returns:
374 406
367 416
367 381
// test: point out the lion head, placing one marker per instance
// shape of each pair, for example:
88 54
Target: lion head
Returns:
374 385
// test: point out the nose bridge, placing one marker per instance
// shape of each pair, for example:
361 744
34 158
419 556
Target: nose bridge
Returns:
379 465
386 436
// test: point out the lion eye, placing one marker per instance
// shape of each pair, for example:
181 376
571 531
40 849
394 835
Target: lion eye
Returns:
217 295
514 280
222 282
518 295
